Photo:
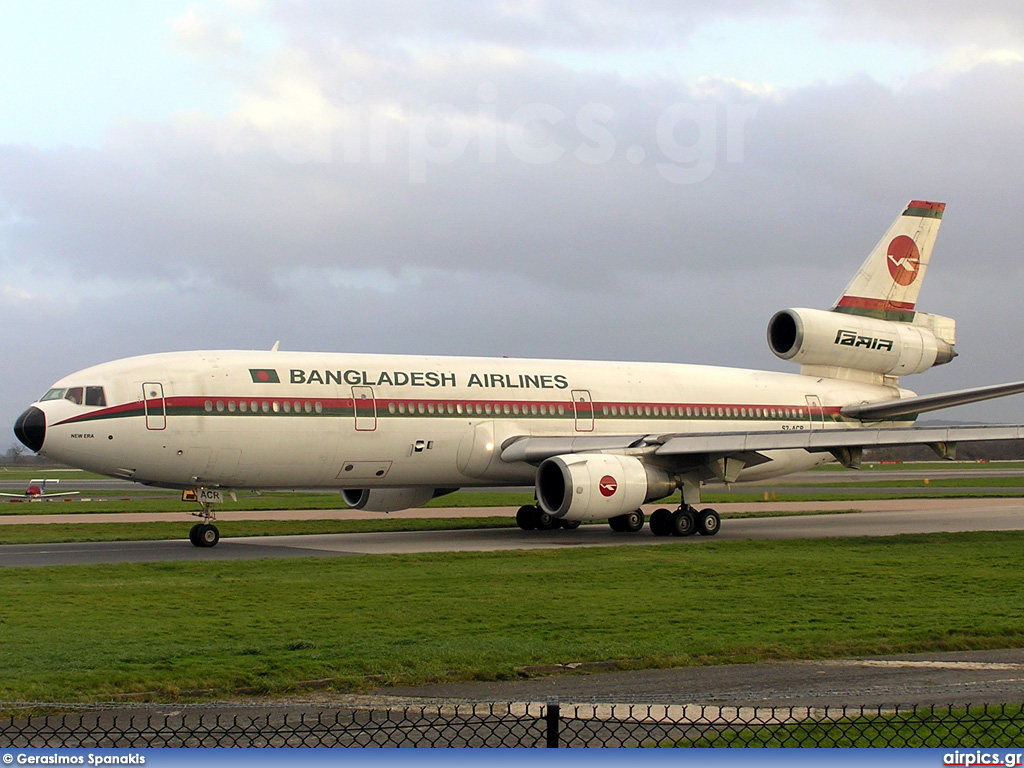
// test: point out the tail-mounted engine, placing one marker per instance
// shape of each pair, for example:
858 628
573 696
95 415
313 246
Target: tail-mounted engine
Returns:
823 341
598 486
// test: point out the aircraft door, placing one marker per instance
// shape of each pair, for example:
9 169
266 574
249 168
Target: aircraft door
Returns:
365 409
155 405
815 412
583 407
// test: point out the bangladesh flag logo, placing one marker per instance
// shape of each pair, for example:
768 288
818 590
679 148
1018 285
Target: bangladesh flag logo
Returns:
264 376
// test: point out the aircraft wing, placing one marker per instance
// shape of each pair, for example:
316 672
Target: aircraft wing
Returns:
746 447
831 440
845 444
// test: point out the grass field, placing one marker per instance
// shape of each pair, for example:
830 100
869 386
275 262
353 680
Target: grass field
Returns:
174 630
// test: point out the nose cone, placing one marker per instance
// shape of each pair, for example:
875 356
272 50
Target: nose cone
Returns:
30 428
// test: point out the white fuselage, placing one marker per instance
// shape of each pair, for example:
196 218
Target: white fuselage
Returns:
240 419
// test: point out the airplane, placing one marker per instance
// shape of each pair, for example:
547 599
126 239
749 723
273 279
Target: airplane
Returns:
596 439
36 491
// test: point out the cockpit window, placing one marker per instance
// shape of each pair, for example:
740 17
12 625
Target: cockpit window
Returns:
80 395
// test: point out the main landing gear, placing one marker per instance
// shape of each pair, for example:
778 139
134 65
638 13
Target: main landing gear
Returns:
685 521
533 518
204 534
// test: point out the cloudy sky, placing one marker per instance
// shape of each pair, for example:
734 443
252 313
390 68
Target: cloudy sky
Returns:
643 181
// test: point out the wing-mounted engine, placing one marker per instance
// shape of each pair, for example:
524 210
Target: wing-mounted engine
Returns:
391 499
830 343
598 486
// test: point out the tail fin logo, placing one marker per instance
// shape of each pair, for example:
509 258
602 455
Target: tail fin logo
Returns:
903 260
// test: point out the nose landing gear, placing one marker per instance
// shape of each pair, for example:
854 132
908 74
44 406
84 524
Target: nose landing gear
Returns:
204 534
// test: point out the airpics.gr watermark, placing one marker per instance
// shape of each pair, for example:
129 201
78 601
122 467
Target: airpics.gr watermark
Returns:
979 757
685 142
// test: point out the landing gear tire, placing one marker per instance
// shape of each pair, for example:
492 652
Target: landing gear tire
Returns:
532 518
684 523
204 535
631 522
661 522
546 522
526 518
708 522
635 521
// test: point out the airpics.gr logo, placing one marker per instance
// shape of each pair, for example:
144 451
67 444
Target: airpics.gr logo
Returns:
903 259
264 376
608 485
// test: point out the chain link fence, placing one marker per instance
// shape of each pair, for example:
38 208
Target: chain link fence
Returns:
535 724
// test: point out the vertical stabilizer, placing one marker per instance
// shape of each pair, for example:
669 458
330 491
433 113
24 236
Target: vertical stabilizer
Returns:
888 283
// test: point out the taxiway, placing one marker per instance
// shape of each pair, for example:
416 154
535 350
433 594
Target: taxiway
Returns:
884 519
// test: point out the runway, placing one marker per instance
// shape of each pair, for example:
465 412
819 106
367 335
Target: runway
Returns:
884 519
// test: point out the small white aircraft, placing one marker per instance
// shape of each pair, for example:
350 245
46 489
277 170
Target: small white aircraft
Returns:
36 491
597 439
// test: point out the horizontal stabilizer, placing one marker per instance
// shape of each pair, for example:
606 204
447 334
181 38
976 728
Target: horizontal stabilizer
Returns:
910 406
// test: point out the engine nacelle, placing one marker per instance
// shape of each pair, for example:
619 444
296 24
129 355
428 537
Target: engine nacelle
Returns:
814 337
598 486
390 499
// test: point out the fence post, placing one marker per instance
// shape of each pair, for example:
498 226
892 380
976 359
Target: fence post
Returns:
551 716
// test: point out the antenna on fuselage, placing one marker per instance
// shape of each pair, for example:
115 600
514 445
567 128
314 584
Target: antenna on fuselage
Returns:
276 345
